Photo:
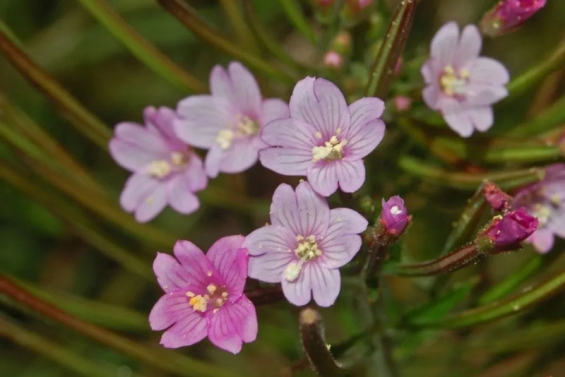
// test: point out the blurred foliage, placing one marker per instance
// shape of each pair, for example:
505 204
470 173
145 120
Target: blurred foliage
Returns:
86 258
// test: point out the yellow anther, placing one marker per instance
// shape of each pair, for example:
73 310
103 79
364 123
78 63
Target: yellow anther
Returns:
198 303
225 139
190 294
211 289
159 169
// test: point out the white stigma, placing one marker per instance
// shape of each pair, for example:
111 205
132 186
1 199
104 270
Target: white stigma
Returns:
224 139
395 210
331 150
292 271
244 126
543 213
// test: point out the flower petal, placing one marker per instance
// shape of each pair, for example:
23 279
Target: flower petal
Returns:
154 203
138 187
350 174
542 239
323 177
326 284
489 72
313 211
321 104
290 133
213 161
233 324
299 291
365 110
341 241
171 275
230 259
286 161
364 139
168 310
180 197
444 43
431 96
469 46
133 146
196 268
240 156
456 117
194 174
482 117
484 95
273 108
247 94
161 122
190 329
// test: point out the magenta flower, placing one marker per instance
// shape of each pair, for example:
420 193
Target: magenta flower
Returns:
508 15
324 139
546 201
228 121
204 296
165 170
459 83
394 215
305 245
506 232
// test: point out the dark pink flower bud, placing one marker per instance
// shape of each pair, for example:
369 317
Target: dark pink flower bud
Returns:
508 231
497 198
394 216
508 15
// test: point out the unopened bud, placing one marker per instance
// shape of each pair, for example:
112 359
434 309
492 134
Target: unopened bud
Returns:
394 216
497 198
508 15
333 60
506 232
402 103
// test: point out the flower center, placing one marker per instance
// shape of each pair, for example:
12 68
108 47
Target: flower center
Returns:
213 298
395 210
244 126
162 168
306 250
543 213
330 151
454 83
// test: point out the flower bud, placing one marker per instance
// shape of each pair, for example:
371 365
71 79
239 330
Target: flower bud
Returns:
333 60
497 198
508 15
506 232
394 216
402 103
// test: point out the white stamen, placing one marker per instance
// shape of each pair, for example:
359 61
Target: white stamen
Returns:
395 210
292 271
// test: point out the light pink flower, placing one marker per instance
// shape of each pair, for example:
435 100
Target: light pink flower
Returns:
204 296
459 83
165 169
324 139
305 245
228 121
333 59
545 200
508 15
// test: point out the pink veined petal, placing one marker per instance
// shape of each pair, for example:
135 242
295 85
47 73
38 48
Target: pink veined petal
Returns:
326 284
190 329
286 161
323 177
488 71
284 209
365 110
320 103
196 268
431 95
482 117
168 310
240 156
484 95
247 94
290 133
350 174
273 108
457 117
130 156
313 211
201 118
195 175
138 187
133 146
444 43
160 121
271 249
431 71
213 161
364 139
180 197
299 291
171 275
469 47
220 83
230 261
542 239
233 324
153 204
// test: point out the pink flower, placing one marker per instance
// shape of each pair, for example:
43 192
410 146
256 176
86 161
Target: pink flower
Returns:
402 103
305 245
459 83
324 139
546 201
506 232
394 216
508 15
333 59
165 170
204 296
228 121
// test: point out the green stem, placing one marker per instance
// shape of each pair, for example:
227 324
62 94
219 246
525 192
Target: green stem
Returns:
391 49
296 16
80 117
157 357
544 121
190 18
141 48
502 308
59 354
538 72
234 14
504 179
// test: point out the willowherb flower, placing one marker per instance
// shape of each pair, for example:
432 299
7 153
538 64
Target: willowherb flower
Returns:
508 15
324 139
333 59
394 216
204 296
228 121
459 83
165 169
305 245
507 231
546 201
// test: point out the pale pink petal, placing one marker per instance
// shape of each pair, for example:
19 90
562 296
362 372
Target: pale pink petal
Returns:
542 239
326 284
362 140
170 308
284 209
557 221
350 174
133 146
220 83
230 261
484 95
273 108
195 175
239 157
299 291
247 94
161 121
248 326
313 211
431 71
444 43
469 46
321 104
154 203
232 325
482 117
180 197
271 249
323 177
137 188
189 330
196 268
290 133
365 110
286 161
171 275
201 118
213 161
488 71
431 95
457 117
